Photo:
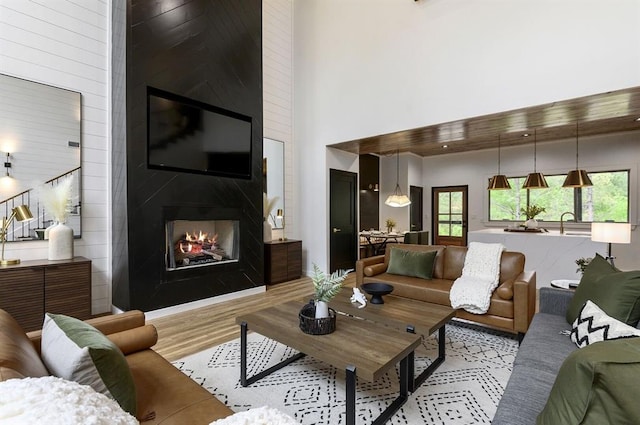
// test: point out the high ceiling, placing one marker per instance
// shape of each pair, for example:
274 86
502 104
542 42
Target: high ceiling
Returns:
605 113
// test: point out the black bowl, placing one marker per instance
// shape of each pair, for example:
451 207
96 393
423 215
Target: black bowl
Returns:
377 290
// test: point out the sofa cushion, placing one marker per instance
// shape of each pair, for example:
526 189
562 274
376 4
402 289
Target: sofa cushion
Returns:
186 403
615 292
76 351
411 263
596 385
547 343
454 261
524 396
18 356
594 325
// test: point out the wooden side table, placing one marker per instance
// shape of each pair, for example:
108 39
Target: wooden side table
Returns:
282 261
34 287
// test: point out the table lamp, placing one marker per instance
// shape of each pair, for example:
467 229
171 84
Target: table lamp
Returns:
20 213
611 233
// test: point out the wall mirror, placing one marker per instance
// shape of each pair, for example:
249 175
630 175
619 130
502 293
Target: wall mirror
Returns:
273 159
39 144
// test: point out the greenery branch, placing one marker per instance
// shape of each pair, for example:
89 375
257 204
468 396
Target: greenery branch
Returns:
327 287
532 211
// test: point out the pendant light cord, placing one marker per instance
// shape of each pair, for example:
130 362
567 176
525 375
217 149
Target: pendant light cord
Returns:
535 150
498 154
576 144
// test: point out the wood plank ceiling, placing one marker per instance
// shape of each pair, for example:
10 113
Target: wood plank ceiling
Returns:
611 112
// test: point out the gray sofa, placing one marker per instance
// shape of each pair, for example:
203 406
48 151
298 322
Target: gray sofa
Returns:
542 352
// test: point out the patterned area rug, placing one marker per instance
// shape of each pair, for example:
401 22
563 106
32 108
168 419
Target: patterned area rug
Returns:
465 389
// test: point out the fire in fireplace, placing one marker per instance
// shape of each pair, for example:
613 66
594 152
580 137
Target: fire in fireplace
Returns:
197 243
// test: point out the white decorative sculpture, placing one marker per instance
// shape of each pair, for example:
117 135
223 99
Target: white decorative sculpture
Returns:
358 297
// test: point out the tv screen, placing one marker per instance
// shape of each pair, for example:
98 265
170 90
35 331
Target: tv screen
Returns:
187 135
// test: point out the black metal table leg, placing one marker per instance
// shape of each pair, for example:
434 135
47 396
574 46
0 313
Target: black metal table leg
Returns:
434 365
244 381
243 354
402 397
351 395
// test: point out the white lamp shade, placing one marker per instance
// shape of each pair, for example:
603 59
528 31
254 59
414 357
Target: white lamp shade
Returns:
397 201
611 232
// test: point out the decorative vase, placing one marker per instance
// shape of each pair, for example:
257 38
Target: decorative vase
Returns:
322 309
531 223
267 229
60 242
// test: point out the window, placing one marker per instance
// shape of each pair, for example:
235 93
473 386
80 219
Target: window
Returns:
607 199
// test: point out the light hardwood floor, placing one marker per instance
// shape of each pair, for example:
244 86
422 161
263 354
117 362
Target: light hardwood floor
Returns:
188 332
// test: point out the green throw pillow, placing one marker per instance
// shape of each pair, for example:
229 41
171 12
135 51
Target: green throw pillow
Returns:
617 293
596 384
411 263
76 351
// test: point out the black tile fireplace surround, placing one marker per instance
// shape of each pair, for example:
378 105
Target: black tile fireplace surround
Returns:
211 52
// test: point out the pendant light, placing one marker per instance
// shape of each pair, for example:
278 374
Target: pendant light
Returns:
397 199
499 181
535 180
577 177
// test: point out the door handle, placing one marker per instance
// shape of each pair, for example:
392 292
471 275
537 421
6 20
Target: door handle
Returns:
336 230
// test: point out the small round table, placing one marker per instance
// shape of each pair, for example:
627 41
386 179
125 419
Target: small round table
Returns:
570 284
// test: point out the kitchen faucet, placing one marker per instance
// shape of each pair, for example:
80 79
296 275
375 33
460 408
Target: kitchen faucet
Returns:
562 220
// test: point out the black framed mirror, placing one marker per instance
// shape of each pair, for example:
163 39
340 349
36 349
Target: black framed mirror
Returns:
40 144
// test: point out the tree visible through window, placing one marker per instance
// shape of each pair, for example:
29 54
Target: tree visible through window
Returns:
606 200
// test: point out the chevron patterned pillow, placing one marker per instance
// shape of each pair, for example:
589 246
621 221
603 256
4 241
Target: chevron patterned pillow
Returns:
594 325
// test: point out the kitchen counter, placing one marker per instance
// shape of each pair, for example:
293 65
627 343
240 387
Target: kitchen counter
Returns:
551 254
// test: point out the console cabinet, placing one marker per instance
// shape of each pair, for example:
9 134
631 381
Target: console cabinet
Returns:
31 288
283 261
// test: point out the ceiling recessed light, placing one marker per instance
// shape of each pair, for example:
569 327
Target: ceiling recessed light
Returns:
525 135
445 146
638 119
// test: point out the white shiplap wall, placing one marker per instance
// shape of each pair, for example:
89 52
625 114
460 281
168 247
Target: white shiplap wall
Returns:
66 44
277 66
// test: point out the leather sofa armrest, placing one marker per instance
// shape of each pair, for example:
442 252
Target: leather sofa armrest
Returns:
505 290
524 300
367 262
136 339
109 324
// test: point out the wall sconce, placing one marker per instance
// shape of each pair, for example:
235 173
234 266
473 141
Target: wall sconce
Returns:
611 233
7 165
20 213
280 215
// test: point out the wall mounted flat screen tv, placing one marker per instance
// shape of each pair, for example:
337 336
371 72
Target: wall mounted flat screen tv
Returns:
187 135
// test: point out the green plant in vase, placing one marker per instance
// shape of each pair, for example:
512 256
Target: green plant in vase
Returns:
582 264
326 287
530 213
390 224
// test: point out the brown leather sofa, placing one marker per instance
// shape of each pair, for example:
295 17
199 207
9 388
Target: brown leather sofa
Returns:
165 395
512 303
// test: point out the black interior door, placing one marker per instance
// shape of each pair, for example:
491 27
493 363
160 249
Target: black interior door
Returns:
343 235
415 212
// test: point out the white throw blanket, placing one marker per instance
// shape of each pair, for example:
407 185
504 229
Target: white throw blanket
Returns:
480 277
55 401
258 416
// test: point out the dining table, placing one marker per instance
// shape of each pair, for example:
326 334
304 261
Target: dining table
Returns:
378 240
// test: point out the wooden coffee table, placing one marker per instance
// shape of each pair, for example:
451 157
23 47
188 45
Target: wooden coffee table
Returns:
403 314
363 348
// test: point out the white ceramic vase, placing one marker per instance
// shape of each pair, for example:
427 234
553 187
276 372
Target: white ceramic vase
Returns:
322 309
60 242
531 223
267 231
